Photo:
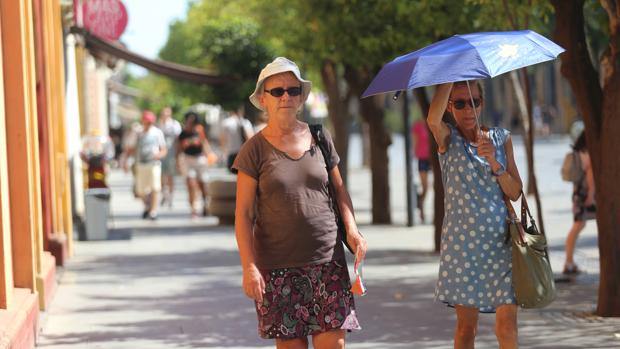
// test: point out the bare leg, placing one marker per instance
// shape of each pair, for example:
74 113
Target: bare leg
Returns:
297 343
191 191
170 180
166 189
146 199
506 326
424 182
571 240
205 197
466 327
153 204
329 340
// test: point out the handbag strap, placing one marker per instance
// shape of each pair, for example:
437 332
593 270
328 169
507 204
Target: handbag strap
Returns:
525 212
512 215
522 225
319 139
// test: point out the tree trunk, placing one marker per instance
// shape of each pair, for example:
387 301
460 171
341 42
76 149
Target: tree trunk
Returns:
373 114
380 140
601 112
438 213
526 116
337 109
530 131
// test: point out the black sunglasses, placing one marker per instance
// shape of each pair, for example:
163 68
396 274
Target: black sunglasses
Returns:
279 91
460 103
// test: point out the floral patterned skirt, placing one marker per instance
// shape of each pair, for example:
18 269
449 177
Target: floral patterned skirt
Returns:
303 301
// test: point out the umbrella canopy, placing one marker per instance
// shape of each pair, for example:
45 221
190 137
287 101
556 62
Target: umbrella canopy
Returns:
464 57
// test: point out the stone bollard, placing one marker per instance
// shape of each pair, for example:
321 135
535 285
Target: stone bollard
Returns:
222 195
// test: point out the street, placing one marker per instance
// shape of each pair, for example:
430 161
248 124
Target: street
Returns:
176 282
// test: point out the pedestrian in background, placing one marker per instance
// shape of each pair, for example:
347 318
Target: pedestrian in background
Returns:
235 130
293 263
422 153
261 122
478 169
192 151
148 150
584 205
171 129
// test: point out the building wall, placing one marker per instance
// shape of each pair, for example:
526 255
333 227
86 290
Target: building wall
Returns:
31 106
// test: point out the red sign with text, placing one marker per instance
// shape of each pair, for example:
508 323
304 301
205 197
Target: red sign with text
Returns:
106 19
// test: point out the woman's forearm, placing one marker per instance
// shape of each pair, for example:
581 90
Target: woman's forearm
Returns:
439 104
243 234
346 210
438 128
510 186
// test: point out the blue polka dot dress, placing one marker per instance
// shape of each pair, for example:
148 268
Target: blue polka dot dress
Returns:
476 264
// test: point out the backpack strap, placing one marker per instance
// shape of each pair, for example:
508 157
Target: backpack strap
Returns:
321 141
319 138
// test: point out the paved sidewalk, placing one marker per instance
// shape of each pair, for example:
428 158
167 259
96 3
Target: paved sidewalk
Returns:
175 283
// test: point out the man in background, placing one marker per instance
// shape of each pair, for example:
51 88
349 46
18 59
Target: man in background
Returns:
171 129
235 130
148 150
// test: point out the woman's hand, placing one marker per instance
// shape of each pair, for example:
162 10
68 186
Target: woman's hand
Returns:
359 245
486 149
253 283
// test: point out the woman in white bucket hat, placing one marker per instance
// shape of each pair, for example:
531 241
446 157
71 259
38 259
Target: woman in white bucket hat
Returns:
293 265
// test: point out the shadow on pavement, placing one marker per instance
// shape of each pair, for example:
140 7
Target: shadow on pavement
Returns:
193 299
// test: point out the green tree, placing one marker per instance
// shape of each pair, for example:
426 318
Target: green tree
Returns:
597 94
156 93
348 41
231 46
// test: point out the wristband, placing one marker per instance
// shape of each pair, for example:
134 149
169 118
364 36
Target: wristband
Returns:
500 172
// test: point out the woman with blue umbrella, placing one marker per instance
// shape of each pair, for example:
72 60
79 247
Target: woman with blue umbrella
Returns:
478 169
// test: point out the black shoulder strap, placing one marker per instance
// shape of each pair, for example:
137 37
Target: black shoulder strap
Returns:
241 130
319 139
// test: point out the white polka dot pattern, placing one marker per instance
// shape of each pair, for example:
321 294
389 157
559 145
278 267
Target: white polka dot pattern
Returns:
474 268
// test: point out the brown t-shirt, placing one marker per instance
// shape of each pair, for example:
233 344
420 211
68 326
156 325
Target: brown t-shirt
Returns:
295 223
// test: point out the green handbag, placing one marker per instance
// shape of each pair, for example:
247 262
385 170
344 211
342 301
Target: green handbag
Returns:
532 277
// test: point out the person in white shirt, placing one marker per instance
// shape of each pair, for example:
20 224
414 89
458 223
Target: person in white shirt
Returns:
148 150
171 129
235 130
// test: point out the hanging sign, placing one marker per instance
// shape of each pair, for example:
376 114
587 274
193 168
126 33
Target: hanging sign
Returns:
106 19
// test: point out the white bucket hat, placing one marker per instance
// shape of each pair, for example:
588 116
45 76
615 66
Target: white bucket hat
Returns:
279 65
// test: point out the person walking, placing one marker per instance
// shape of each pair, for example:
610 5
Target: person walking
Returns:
235 130
148 150
293 263
171 129
478 169
423 154
584 205
192 150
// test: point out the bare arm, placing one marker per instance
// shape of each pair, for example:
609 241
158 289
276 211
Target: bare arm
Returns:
509 181
224 142
438 128
354 238
253 282
162 152
129 152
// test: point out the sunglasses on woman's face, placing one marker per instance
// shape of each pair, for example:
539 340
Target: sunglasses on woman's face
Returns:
460 103
279 91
